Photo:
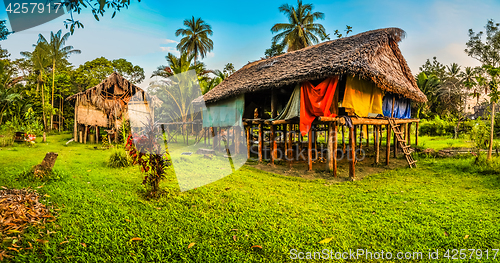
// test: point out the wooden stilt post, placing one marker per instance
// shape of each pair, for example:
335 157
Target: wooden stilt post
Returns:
343 140
408 134
97 134
395 143
289 153
352 154
367 136
81 134
249 137
260 142
75 127
309 150
416 134
236 138
285 139
388 145
332 148
214 143
85 137
272 143
377 145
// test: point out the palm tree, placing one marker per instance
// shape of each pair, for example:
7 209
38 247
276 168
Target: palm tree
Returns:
195 39
8 94
180 89
428 85
58 51
301 31
41 61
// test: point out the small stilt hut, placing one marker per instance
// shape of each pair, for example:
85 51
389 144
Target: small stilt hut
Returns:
106 106
360 81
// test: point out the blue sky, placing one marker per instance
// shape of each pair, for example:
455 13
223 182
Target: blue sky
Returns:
144 33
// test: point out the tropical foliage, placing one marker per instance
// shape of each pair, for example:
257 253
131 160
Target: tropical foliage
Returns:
301 30
195 39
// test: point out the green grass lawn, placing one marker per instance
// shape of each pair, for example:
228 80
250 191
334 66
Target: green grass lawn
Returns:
443 204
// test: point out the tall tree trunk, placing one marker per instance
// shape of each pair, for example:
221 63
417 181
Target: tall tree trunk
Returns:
60 113
1 113
490 149
53 88
43 109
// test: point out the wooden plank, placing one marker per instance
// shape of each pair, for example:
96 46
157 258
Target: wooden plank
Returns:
406 133
352 155
388 145
309 150
369 121
377 145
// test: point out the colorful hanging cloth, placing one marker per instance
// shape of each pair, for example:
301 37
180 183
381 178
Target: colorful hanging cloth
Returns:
362 96
316 101
402 106
292 108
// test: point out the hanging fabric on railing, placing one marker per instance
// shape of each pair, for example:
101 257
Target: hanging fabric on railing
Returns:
292 108
362 96
225 113
402 106
316 101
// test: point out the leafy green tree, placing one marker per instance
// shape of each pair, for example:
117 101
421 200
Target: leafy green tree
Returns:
92 73
487 51
195 39
40 60
300 31
429 86
134 74
275 50
433 68
8 94
229 69
57 51
98 8
4 32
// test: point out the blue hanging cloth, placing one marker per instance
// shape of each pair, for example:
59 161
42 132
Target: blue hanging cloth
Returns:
402 106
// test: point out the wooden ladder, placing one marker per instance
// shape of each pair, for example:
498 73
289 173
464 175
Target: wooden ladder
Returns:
402 142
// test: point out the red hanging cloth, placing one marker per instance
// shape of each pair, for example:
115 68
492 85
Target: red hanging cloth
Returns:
316 101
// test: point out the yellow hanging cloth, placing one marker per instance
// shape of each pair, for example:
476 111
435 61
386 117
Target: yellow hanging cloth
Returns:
362 96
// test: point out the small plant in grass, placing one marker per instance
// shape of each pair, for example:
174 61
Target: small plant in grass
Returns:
146 150
479 136
119 159
105 143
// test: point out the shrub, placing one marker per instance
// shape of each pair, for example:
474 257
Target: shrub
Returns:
441 127
118 159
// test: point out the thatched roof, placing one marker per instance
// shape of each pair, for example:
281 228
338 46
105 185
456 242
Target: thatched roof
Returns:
111 95
373 55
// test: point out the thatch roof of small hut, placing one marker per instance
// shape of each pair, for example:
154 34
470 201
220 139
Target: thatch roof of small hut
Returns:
112 95
372 55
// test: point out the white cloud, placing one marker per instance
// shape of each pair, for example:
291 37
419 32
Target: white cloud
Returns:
169 41
210 55
169 49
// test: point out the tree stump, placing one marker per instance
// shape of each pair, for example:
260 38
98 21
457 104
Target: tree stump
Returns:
42 169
